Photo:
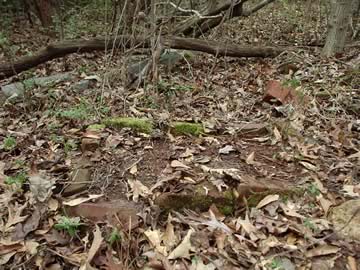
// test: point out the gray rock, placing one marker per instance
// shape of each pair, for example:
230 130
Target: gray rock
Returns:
15 90
346 220
81 85
80 179
45 81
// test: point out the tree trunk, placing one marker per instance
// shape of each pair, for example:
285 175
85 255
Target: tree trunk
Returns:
356 7
355 22
129 11
44 9
339 23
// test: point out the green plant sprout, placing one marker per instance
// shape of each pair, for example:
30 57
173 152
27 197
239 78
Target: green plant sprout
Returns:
276 264
69 146
313 190
70 225
17 180
308 223
114 236
9 143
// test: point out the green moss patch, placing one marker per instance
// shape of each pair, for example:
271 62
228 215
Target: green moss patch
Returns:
184 128
96 127
137 124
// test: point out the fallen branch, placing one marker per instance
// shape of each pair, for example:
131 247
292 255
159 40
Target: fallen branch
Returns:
61 49
196 26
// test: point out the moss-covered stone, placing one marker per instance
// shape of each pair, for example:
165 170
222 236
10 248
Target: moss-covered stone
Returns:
137 124
185 128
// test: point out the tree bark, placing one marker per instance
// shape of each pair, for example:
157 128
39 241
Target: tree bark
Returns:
355 21
45 11
79 46
339 23
129 10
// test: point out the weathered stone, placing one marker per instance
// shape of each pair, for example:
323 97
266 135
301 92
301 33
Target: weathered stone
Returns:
80 179
13 89
89 144
81 85
118 213
44 81
346 220
16 90
254 129
321 264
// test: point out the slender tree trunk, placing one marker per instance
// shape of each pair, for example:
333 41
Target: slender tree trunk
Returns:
27 11
356 7
45 11
338 27
355 20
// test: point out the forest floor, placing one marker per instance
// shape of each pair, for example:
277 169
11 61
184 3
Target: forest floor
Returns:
258 189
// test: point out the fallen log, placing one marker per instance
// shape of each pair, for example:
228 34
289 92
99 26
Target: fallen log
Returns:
61 49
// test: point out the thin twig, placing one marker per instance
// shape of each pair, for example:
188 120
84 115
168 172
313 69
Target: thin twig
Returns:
197 13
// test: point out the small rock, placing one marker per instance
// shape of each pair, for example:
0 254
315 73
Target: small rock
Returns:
81 85
321 264
44 81
287 264
80 179
89 144
346 220
15 90
254 129
119 212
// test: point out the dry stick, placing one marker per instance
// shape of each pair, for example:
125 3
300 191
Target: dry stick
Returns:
217 53
106 49
114 16
23 263
114 43
63 256
154 39
197 13
158 50
132 165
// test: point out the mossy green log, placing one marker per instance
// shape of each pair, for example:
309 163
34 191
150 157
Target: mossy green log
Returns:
196 202
254 198
185 128
137 124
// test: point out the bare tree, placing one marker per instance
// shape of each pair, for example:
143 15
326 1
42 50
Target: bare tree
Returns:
339 25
